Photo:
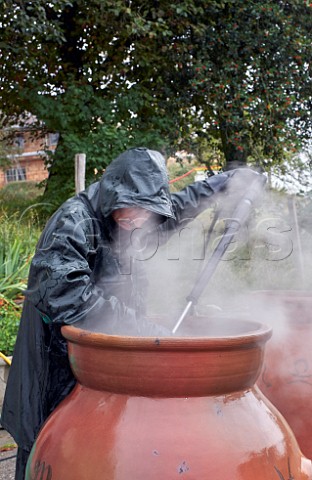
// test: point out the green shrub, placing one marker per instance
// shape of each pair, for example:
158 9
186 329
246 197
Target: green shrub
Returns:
176 171
23 203
17 245
18 238
14 265
17 197
9 321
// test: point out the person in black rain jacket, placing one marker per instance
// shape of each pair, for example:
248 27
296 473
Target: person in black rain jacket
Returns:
81 271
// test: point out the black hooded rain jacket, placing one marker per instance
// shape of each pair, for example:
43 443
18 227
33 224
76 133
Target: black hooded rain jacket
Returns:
80 271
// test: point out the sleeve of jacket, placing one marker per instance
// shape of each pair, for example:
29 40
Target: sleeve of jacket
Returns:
60 280
194 199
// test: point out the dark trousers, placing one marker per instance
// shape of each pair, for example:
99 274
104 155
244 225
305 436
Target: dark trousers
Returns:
21 461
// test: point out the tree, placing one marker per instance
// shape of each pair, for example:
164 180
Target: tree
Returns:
108 75
253 76
71 80
237 71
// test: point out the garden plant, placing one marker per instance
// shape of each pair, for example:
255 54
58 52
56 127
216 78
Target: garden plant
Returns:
19 231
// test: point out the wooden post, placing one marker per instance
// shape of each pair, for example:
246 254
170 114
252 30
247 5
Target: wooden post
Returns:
80 171
294 220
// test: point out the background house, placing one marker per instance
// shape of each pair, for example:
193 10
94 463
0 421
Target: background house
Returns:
27 157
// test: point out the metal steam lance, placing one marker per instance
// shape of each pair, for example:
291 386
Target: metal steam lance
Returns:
239 218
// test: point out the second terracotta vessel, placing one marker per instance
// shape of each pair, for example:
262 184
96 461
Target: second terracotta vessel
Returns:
286 378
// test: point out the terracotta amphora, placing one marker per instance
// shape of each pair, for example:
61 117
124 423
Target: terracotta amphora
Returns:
286 378
167 408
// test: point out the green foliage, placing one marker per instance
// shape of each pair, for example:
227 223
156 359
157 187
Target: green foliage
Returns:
18 237
9 322
179 169
91 125
252 71
13 268
17 245
19 198
110 75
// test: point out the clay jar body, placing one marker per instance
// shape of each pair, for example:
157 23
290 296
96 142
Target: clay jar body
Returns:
286 378
167 408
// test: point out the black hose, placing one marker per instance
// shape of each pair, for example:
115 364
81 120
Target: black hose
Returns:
239 218
8 458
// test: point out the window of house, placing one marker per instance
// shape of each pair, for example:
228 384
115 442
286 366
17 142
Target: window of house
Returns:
19 141
53 139
17 174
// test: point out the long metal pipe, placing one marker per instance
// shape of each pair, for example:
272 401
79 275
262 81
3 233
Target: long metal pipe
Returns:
239 218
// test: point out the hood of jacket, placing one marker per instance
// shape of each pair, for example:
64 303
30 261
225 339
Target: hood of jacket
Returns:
138 177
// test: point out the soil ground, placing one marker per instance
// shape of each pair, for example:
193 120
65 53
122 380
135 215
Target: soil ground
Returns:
8 451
